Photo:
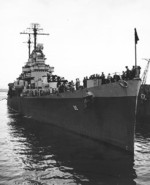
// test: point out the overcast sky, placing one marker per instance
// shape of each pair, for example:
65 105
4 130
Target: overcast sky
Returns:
86 36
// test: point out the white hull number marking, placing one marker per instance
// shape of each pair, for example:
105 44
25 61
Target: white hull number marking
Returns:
75 107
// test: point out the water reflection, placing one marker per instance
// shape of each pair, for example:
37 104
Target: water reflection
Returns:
45 154
142 152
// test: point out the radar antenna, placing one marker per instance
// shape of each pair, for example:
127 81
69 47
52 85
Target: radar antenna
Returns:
35 28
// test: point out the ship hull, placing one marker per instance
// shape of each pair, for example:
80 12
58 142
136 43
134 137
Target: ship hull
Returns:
106 118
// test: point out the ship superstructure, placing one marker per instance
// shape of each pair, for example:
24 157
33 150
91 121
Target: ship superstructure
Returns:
36 74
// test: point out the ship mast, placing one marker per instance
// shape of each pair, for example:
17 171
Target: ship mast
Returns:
29 45
35 28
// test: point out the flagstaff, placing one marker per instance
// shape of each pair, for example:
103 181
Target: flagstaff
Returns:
135 57
136 40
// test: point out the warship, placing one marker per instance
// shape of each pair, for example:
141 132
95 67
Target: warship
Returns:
100 109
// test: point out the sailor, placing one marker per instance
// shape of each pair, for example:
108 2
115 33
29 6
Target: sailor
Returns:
116 77
138 71
85 82
123 76
128 73
103 78
77 84
72 85
89 99
109 78
97 76
133 72
48 77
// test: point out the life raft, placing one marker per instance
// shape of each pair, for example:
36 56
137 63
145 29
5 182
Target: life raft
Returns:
123 83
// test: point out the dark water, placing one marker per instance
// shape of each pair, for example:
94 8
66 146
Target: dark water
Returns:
33 153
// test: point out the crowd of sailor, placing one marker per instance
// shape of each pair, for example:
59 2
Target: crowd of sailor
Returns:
126 75
62 85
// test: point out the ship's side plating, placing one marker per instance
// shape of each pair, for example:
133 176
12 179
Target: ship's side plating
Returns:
109 116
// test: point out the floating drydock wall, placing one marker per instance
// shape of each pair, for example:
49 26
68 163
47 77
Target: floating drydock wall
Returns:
109 117
143 108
